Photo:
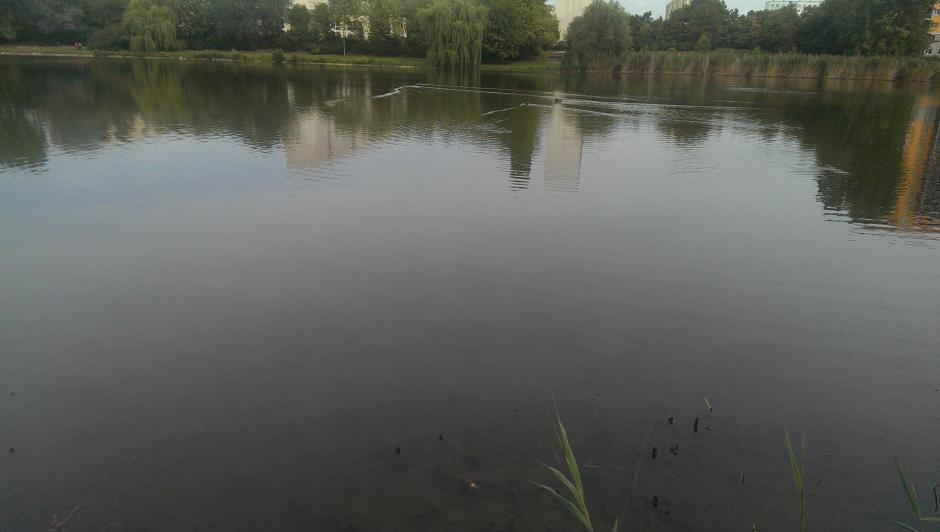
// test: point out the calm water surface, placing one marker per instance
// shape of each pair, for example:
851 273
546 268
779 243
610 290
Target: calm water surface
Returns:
228 293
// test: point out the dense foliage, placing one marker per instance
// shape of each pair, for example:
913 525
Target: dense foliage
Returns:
602 32
454 32
518 28
507 30
151 25
841 27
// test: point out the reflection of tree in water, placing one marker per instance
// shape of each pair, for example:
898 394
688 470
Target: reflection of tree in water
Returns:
87 105
861 134
684 130
521 140
862 141
665 98
22 139
317 114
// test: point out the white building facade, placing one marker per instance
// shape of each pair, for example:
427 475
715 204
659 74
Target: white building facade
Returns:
397 25
568 10
800 5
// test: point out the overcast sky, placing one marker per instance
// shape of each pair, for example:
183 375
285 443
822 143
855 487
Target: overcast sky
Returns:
658 7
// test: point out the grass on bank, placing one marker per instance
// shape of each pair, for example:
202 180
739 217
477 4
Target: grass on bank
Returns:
217 55
718 63
266 56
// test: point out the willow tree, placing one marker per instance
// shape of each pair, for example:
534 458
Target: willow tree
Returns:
151 24
454 30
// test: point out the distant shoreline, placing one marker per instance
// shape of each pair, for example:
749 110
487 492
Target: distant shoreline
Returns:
718 63
291 58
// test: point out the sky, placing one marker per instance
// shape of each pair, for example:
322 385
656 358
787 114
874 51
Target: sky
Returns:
658 7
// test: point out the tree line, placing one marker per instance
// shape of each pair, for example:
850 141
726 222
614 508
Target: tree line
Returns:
842 27
861 132
496 30
839 27
465 32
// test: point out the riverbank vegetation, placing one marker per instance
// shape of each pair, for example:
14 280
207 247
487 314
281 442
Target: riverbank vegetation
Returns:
606 33
743 63
494 30
837 27
718 63
265 56
454 30
840 39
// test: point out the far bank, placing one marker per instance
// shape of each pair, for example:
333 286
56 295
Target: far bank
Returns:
718 63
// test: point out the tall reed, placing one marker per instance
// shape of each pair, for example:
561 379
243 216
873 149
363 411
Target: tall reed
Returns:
746 64
911 493
577 505
798 468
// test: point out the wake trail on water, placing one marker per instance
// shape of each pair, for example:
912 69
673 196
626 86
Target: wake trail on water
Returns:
393 92
488 113
577 103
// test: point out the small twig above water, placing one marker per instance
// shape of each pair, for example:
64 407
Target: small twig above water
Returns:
59 524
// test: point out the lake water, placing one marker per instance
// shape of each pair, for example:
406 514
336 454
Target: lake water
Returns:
248 298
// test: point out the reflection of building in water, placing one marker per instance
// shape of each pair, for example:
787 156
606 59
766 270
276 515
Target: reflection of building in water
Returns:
917 197
318 136
521 140
563 152
315 140
934 18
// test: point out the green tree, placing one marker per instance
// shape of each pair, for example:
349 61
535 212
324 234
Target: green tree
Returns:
41 21
151 25
518 28
234 24
703 44
817 32
102 23
643 31
744 30
195 23
388 26
779 31
686 26
320 24
602 33
346 14
454 30
300 34
868 27
8 21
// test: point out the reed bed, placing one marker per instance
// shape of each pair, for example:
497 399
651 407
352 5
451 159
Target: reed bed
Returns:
574 500
754 64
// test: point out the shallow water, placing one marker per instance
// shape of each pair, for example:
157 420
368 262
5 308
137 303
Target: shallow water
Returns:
228 293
